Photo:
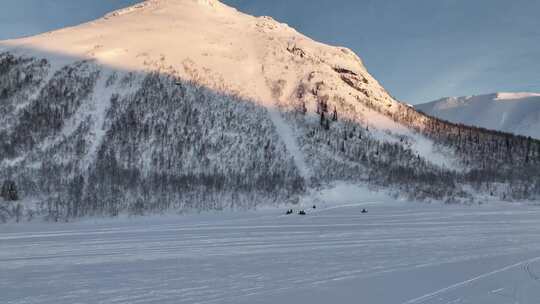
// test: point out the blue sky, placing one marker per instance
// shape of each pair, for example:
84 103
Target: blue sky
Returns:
420 50
29 17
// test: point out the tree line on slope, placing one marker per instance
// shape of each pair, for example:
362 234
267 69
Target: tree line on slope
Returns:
496 163
167 143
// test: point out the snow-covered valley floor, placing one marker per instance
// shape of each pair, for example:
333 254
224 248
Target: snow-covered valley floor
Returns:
397 253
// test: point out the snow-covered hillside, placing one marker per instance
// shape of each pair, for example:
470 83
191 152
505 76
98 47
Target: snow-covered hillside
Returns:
517 113
192 104
205 41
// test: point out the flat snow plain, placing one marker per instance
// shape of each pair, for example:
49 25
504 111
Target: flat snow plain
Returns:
404 253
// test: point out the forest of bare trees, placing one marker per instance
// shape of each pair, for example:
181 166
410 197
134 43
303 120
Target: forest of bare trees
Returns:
172 144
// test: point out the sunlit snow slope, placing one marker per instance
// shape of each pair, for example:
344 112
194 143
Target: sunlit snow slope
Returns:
201 40
215 45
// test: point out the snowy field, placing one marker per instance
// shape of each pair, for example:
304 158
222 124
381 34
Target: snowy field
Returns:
397 253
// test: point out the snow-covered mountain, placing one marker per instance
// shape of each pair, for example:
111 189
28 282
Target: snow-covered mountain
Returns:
517 113
192 104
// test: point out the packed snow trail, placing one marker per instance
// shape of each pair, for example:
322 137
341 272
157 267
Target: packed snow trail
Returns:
101 102
288 137
397 252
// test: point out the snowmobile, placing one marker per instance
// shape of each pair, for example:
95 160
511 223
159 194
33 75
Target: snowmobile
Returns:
364 211
314 207
290 211
301 212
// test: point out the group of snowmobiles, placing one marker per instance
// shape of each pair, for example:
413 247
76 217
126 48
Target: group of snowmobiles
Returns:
299 212
303 212
291 211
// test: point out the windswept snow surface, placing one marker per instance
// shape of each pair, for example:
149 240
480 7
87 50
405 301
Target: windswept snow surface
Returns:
398 253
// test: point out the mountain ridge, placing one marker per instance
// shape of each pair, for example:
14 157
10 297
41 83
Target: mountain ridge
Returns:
517 113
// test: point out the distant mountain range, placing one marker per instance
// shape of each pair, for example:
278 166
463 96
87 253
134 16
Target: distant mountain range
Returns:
517 113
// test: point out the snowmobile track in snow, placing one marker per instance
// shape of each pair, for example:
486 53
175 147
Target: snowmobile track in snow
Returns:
287 136
530 271
524 264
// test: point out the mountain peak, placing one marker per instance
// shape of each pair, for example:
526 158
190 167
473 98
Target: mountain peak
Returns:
211 3
171 5
205 40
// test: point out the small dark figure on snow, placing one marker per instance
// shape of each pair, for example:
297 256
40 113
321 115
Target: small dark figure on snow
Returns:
364 210
302 212
290 211
314 207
